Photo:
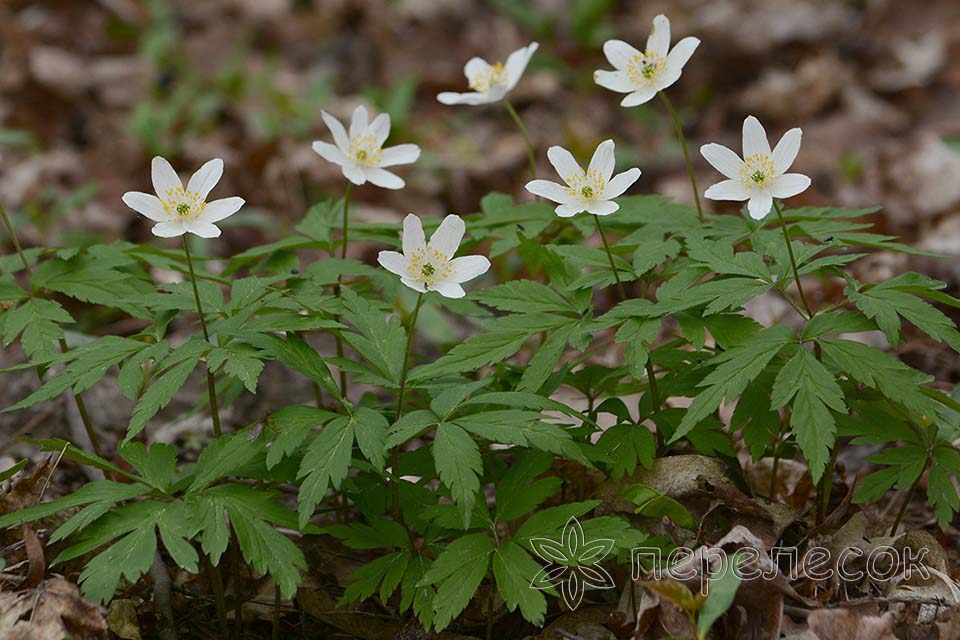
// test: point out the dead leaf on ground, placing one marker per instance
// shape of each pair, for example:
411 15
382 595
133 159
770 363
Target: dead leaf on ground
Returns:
53 611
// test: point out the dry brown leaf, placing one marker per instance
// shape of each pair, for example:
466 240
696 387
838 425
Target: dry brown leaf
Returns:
849 624
53 611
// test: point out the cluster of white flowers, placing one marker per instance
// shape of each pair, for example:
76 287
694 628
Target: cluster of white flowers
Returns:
757 178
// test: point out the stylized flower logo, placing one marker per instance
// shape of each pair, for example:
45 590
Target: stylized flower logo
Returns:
573 563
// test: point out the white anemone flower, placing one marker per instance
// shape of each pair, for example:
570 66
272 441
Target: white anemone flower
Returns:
431 266
592 190
643 74
361 155
491 82
761 175
178 210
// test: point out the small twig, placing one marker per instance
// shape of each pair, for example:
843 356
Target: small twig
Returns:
163 605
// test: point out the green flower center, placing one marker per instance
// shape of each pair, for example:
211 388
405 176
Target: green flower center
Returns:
183 208
649 70
587 192
428 270
758 176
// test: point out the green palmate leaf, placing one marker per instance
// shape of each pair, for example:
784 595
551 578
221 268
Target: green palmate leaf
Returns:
328 457
525 296
223 457
456 573
381 342
132 374
815 393
502 339
156 464
88 364
653 504
298 355
518 493
651 252
719 294
459 464
626 446
881 371
545 360
514 570
91 278
549 521
161 391
379 534
720 258
753 414
824 324
736 368
38 320
100 491
238 360
598 264
131 557
941 483
887 301
386 570
292 425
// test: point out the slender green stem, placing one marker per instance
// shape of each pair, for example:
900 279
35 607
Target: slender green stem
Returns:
651 374
13 238
613 267
395 452
211 384
906 503
793 260
81 405
531 156
344 237
686 154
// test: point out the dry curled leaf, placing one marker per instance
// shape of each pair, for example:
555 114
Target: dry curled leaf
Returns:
53 611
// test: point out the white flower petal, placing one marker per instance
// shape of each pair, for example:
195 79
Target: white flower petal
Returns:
659 40
549 190
564 162
393 261
206 178
471 98
202 229
380 128
789 185
676 60
448 289
384 178
414 284
169 229
220 209
759 205
330 152
727 190
638 97
614 80
146 205
354 174
446 239
569 210
340 136
517 62
603 160
786 150
468 268
603 208
620 183
722 159
358 122
164 177
474 67
619 53
412 237
754 138
400 154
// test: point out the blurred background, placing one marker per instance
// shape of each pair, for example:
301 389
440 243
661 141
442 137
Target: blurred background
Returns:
91 89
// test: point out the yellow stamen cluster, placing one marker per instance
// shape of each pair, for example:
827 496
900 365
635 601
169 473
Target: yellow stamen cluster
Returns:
643 69
757 171
586 186
490 77
366 151
428 266
182 203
